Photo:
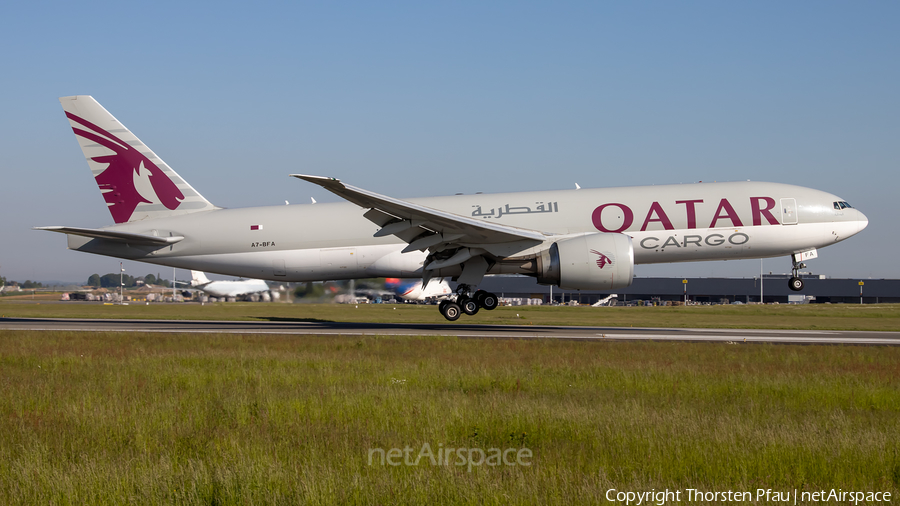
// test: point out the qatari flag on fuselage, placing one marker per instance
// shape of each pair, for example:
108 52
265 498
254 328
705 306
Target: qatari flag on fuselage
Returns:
255 227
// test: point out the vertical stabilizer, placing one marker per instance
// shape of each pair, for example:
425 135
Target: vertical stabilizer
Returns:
198 278
135 183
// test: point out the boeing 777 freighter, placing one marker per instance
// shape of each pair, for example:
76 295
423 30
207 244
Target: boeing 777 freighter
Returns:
586 239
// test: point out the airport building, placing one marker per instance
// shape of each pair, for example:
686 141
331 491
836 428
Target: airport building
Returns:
709 290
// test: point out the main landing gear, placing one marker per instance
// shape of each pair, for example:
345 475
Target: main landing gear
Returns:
796 283
467 304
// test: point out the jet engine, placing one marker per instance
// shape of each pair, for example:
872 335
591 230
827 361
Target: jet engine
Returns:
599 261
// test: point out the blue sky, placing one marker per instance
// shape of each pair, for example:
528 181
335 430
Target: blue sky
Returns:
433 98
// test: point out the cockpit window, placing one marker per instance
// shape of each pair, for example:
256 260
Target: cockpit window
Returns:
842 205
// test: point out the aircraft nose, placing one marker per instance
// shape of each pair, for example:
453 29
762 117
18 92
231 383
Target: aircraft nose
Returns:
862 220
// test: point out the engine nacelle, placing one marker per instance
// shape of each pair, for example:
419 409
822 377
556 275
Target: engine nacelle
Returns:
599 261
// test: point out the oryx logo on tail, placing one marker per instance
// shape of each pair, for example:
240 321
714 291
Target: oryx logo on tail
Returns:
603 261
117 181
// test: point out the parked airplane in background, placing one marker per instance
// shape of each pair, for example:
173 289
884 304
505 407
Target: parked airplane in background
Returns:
417 291
237 288
577 239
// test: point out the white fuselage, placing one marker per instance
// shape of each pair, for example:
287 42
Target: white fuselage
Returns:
227 288
668 223
436 288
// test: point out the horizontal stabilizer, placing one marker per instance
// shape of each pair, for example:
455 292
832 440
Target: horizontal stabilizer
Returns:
111 235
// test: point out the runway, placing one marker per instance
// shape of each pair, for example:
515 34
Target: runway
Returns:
460 330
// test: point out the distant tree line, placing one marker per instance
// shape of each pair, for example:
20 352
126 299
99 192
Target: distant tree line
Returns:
27 284
111 280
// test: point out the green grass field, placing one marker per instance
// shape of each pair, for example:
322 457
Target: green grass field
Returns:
119 418
879 317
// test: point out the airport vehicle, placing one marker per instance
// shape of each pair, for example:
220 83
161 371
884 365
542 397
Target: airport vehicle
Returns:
227 288
606 301
575 239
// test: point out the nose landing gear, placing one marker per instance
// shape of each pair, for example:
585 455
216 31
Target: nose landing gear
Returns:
796 283
469 305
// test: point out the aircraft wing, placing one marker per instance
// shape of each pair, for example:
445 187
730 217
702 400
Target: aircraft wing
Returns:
451 239
112 235
423 226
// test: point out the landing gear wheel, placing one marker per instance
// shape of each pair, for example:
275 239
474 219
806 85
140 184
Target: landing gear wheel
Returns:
468 306
486 300
441 305
450 310
796 283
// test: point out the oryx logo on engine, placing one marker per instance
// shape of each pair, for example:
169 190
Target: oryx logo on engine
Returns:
603 261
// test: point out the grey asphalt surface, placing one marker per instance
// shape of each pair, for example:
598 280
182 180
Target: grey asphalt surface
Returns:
459 329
